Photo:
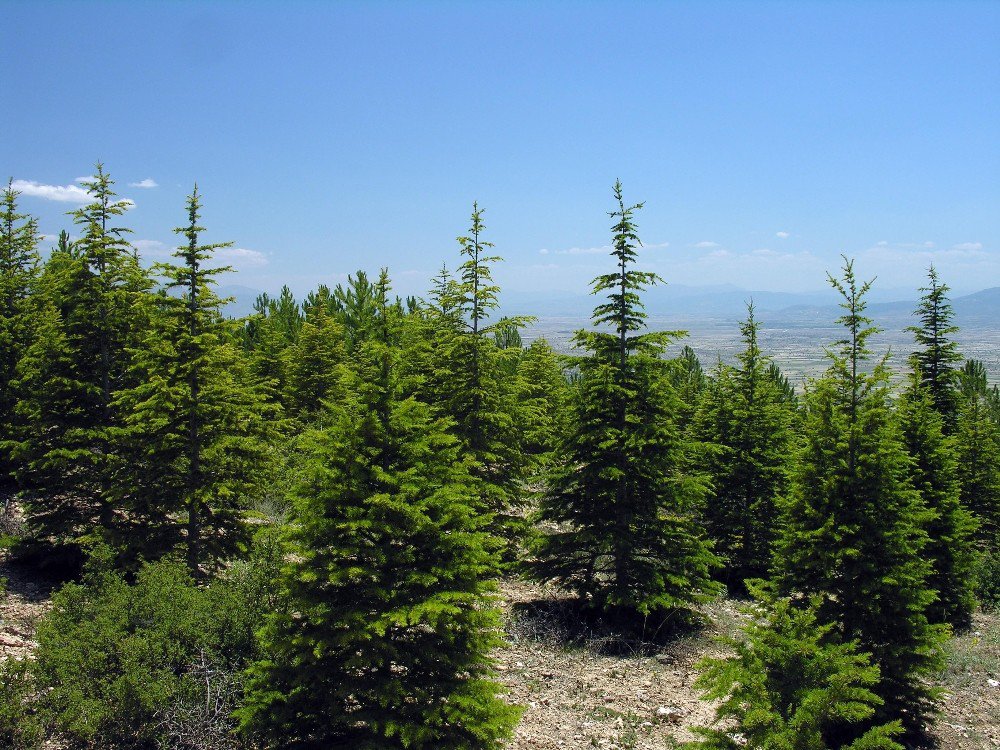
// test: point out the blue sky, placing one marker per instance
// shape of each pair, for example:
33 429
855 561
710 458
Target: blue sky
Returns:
766 138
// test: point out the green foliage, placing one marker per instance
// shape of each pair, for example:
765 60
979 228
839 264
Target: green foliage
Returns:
390 616
854 528
465 375
789 685
623 509
18 275
978 446
89 312
543 399
313 364
934 473
20 727
114 660
935 363
193 445
747 419
986 578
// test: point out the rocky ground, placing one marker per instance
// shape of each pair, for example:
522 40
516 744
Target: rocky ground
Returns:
583 689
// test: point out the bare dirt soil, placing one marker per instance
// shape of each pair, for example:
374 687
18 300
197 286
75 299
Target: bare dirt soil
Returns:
582 689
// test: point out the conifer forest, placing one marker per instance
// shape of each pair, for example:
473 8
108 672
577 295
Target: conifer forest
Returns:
300 529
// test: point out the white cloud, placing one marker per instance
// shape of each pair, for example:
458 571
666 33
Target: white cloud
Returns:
88 178
782 235
152 248
240 257
149 182
602 250
706 245
62 193
585 250
968 246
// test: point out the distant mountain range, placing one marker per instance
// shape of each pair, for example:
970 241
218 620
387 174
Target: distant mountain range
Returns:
724 302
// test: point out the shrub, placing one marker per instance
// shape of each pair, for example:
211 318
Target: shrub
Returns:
156 663
987 579
788 686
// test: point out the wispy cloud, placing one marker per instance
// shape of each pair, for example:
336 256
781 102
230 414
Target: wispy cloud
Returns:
968 246
152 248
782 235
149 182
602 250
61 193
706 245
240 257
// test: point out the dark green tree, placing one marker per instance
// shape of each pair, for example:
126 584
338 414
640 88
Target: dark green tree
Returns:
19 263
626 537
391 615
194 440
977 440
854 527
791 685
935 474
466 378
935 363
91 300
313 364
747 419
543 397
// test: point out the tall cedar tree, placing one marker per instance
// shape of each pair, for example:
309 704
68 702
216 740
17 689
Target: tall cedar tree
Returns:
18 275
790 685
626 538
951 532
935 362
746 418
978 441
391 619
194 441
854 526
91 311
468 382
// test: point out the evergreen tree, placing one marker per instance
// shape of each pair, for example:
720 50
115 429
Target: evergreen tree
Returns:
746 418
791 685
854 526
193 441
624 510
466 378
935 362
18 274
544 399
313 364
935 474
91 301
391 615
978 445
688 378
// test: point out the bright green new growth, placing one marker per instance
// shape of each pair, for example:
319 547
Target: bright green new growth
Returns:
391 614
624 510
791 686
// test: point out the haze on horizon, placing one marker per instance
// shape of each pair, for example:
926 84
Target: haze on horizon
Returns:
764 138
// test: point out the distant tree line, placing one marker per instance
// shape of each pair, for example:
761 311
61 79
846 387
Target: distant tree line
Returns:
286 530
